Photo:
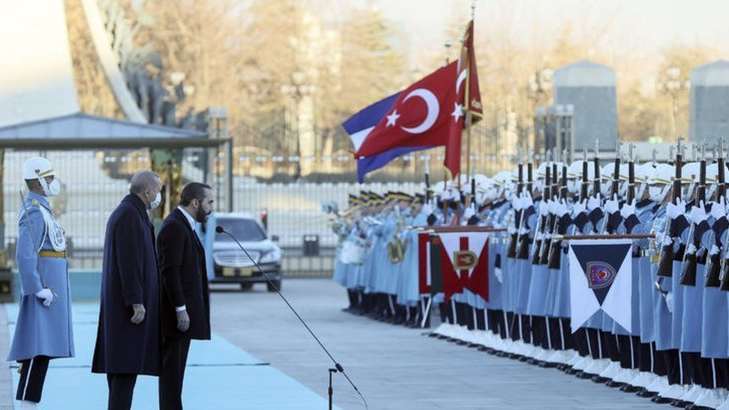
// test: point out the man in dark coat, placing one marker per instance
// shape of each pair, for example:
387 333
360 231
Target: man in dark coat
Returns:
185 298
128 338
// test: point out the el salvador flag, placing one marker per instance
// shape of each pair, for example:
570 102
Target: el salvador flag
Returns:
359 127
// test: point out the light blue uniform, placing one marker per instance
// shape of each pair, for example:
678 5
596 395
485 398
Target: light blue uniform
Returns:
40 330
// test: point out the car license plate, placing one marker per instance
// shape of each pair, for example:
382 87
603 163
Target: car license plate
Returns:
230 272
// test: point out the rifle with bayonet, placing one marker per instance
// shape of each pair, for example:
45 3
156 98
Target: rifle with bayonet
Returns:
715 263
552 218
596 214
562 223
612 221
692 254
665 262
537 244
523 251
511 253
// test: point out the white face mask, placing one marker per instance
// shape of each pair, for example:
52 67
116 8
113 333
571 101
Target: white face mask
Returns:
157 200
52 189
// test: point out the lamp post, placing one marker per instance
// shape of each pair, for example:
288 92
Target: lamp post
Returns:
538 87
298 90
673 85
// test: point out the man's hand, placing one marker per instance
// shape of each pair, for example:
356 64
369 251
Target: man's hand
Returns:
139 314
183 321
46 296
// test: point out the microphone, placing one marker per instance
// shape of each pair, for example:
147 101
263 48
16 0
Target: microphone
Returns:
338 367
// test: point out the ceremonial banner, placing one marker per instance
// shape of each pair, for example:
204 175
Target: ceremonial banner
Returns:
600 279
464 263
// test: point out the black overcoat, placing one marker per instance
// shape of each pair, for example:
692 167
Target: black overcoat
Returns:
184 278
130 276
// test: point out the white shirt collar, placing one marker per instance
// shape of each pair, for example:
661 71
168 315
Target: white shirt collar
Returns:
189 217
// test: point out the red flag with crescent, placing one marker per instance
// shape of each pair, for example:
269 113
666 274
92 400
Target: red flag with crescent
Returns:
467 102
419 117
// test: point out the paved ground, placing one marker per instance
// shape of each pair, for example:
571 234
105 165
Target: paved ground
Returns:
395 367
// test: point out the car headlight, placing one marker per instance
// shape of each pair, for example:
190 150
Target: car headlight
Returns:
271 256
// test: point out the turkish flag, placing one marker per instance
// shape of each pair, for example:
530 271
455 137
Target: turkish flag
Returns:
419 117
467 102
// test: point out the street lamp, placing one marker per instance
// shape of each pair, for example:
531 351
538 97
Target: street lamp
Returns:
297 90
673 85
538 87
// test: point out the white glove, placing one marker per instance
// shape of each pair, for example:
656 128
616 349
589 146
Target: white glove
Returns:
499 275
560 209
611 205
628 209
552 206
669 301
469 212
428 208
673 211
516 203
578 208
698 214
527 200
543 208
718 209
714 250
46 295
593 203
691 249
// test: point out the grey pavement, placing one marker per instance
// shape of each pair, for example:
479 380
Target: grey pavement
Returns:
395 367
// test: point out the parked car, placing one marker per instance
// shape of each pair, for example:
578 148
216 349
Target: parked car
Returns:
227 263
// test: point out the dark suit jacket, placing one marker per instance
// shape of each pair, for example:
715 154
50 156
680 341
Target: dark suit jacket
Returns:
184 278
129 277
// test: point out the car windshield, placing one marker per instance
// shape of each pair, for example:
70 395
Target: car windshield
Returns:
245 230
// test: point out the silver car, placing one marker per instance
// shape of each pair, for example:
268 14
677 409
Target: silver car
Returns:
227 263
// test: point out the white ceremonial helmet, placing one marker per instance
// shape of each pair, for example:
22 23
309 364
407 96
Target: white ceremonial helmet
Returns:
642 173
660 181
690 176
606 178
712 179
574 176
39 168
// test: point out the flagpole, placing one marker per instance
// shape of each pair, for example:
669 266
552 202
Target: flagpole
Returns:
467 102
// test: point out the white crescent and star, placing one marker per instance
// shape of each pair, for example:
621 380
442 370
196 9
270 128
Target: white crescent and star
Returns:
431 102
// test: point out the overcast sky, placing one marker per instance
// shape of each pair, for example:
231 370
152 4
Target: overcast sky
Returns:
649 25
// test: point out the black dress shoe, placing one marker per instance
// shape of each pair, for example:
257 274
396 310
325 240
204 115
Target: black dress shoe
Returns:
614 384
547 365
661 400
571 370
629 388
474 345
433 334
584 375
599 379
522 358
646 393
680 403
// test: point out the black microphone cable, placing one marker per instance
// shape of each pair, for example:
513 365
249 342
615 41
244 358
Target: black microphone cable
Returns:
340 369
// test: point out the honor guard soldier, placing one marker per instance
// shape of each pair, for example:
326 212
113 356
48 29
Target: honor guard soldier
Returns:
43 329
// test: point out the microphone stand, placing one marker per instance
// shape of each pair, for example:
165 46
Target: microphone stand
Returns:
337 367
